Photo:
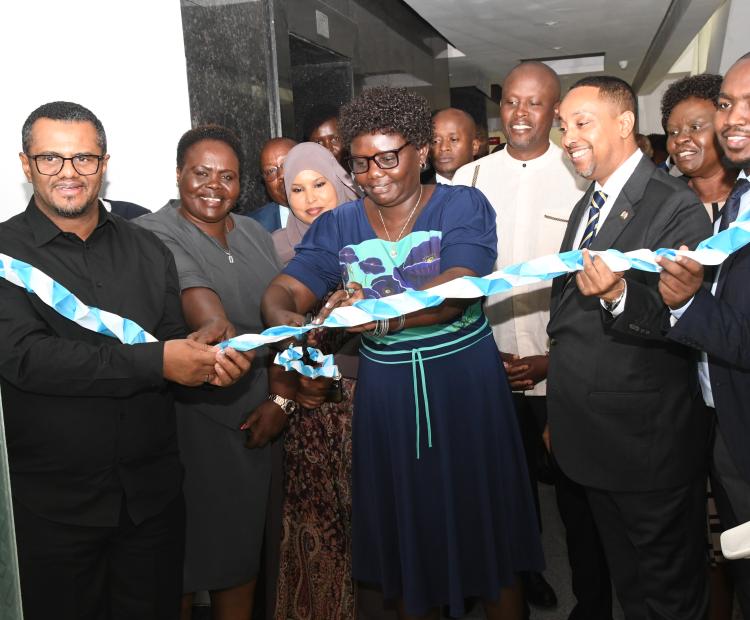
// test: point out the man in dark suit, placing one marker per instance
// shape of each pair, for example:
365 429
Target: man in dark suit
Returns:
716 321
624 416
273 215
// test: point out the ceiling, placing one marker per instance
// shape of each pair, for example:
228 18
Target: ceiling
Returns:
495 34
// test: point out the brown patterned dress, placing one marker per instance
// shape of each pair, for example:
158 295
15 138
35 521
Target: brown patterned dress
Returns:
315 580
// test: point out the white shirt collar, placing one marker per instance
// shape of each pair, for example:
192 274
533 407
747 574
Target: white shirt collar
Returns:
619 177
540 161
439 178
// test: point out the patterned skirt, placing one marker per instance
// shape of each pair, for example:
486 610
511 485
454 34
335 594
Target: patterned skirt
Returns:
315 579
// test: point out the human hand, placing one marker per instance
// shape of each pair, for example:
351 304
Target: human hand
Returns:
264 424
218 330
527 371
679 280
312 393
599 280
230 366
339 299
188 362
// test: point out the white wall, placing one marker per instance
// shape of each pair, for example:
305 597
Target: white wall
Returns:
134 80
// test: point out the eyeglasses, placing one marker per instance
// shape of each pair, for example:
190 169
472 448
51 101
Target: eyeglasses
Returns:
272 171
383 160
84 164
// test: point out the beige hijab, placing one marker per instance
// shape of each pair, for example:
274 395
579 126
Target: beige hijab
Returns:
309 156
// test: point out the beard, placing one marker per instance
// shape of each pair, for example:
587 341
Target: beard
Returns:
73 212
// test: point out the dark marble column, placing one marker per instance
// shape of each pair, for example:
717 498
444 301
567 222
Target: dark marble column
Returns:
233 77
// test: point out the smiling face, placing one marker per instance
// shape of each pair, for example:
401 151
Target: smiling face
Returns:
311 195
527 110
66 194
691 141
209 181
597 137
394 186
732 119
454 141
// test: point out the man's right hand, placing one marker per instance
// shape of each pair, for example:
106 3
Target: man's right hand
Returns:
188 362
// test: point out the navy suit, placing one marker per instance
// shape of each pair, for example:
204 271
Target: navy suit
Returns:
268 216
719 324
126 210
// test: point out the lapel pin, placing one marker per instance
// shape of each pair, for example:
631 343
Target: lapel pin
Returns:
624 215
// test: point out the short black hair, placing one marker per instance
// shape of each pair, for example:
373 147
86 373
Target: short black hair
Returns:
389 111
614 89
316 116
63 111
208 132
704 86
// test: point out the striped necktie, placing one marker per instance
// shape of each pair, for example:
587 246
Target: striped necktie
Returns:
598 199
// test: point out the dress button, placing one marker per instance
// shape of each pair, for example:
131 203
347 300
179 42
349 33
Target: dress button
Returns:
552 342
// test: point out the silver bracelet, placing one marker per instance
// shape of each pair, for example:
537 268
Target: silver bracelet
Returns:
381 328
401 322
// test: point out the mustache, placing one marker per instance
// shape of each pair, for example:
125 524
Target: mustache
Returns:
734 129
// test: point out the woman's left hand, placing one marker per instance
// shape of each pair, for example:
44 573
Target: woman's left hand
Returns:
345 297
264 424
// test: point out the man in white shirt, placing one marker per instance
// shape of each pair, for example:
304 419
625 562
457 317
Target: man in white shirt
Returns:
532 187
715 321
625 421
454 143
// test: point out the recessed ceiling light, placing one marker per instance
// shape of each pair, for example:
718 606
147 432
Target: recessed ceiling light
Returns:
551 23
557 47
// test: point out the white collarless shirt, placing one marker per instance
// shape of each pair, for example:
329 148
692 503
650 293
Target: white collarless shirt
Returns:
532 201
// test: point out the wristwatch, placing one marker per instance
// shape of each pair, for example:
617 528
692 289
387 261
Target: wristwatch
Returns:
288 406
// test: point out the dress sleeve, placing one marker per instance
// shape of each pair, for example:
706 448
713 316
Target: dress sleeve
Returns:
469 232
316 260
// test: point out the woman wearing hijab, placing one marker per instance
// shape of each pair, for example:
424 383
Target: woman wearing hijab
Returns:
315 556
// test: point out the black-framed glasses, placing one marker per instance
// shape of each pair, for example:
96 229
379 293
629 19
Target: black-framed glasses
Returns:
271 172
50 164
383 160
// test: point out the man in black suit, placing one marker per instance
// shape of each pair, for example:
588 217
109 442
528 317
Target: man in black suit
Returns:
716 321
624 416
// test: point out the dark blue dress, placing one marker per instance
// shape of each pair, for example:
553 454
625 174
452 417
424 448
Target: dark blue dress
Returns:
442 508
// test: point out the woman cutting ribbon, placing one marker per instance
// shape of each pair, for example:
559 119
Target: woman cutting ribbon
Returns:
441 504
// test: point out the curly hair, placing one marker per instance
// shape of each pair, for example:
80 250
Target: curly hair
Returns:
703 86
389 111
208 132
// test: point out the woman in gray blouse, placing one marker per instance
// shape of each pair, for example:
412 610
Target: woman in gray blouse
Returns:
224 264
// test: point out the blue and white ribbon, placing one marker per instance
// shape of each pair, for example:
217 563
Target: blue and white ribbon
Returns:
712 251
291 359
56 296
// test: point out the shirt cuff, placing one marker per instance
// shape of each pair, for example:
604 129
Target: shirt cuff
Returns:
678 312
619 304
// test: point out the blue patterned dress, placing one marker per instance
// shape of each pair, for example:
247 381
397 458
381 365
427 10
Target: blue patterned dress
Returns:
442 508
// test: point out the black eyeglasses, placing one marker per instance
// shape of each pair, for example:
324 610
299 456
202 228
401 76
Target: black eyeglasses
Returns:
50 164
272 171
383 160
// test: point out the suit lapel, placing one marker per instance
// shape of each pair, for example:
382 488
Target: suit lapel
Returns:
562 283
625 207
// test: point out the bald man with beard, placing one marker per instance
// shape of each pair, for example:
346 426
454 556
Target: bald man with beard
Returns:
454 143
533 187
273 215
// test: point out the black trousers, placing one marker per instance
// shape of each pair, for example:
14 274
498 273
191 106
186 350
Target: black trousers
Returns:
531 412
589 571
127 572
655 544
732 494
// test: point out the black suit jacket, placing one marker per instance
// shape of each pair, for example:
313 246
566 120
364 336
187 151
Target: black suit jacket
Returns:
720 326
623 401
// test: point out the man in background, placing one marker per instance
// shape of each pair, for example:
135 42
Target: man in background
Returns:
273 215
